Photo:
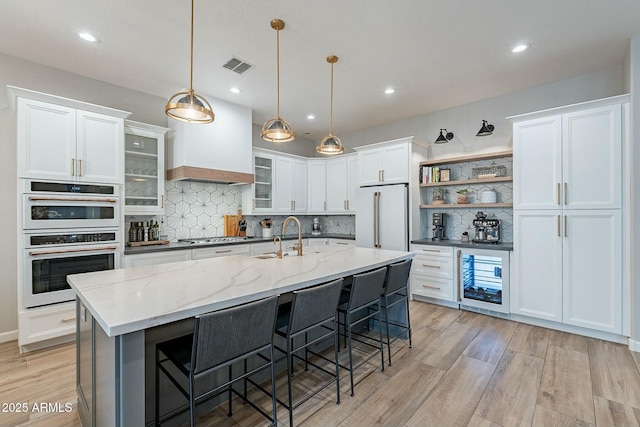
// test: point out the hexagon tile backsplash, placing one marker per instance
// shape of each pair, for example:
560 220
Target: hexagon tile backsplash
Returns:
196 209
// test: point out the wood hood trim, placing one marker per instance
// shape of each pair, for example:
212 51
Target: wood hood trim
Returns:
212 175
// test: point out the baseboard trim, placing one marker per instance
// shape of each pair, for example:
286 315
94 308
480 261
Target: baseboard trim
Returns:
634 345
9 336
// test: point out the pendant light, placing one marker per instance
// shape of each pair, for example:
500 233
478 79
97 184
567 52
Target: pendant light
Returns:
486 129
331 144
277 130
189 106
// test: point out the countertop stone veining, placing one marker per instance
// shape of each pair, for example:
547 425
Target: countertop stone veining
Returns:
133 299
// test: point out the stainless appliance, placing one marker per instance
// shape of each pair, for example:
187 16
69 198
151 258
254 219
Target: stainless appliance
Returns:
382 217
51 205
487 230
439 221
211 240
315 230
50 256
483 279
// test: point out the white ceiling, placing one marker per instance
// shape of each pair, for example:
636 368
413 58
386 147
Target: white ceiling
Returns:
435 53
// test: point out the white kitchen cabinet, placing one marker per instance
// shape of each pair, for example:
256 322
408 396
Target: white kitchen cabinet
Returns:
144 169
259 196
220 251
290 184
60 142
53 322
592 269
384 163
536 289
432 272
316 241
341 242
153 258
341 172
317 186
571 160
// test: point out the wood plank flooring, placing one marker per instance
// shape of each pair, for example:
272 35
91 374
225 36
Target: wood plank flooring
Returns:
464 369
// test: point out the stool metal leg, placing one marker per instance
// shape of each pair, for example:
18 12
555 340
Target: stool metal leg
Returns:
157 413
192 403
230 393
408 321
336 347
290 374
347 323
386 322
273 389
380 329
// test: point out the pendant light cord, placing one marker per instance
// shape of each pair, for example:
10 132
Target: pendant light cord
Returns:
278 71
191 55
331 106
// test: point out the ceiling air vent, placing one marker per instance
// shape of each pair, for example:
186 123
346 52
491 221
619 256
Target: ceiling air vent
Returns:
237 65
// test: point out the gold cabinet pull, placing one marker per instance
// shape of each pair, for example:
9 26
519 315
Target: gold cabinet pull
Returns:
431 250
559 202
382 175
224 251
73 167
430 265
565 226
565 193
162 201
431 287
69 320
559 235
79 167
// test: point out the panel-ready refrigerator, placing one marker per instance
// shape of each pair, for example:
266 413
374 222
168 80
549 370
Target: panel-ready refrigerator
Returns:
382 217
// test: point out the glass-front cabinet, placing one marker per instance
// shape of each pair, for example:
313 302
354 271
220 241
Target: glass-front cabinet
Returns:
144 169
263 182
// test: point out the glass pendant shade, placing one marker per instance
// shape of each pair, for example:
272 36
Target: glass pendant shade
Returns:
277 130
486 129
331 144
189 107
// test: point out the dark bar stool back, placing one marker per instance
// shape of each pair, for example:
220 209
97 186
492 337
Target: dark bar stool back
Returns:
220 339
396 291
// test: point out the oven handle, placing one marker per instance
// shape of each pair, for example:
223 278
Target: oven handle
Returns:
71 199
106 248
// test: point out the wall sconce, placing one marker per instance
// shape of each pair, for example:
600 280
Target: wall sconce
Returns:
444 138
486 129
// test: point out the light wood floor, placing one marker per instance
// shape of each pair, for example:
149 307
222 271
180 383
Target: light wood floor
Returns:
464 369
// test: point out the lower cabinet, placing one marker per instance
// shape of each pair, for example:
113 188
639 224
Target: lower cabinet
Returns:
153 258
219 251
341 242
432 272
57 321
568 267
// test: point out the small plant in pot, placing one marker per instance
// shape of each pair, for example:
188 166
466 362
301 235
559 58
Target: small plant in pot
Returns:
462 196
438 196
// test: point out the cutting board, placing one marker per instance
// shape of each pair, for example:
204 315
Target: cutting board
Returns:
231 225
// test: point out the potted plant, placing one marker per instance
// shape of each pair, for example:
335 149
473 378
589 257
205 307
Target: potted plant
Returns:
462 196
438 197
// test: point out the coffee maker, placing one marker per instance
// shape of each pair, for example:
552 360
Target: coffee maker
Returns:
487 230
439 221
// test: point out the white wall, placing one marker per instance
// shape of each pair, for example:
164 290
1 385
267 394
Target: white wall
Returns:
299 146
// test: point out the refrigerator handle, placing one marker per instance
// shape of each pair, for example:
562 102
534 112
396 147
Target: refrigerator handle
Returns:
459 261
376 219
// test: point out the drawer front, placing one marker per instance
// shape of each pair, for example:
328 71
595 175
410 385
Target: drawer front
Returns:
443 251
341 242
219 251
38 325
433 287
436 266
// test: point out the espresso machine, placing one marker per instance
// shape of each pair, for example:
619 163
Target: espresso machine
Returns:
487 229
439 221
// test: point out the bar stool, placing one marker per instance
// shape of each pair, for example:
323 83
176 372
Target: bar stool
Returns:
396 291
220 339
312 311
362 298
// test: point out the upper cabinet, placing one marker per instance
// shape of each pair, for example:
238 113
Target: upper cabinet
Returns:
341 184
61 142
291 184
144 169
570 161
384 163
259 196
217 152
317 186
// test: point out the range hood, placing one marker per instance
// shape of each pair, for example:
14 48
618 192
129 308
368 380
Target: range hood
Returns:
215 152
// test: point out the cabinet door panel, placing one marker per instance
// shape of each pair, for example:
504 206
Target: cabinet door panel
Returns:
537 163
299 180
284 184
317 195
592 252
46 136
536 289
100 148
369 167
336 185
592 158
395 164
352 182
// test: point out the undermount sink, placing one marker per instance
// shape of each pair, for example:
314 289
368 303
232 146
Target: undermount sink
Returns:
274 255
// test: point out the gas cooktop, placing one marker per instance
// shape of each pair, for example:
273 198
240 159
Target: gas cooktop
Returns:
209 240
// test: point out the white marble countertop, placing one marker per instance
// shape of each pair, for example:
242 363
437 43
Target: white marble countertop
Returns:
133 299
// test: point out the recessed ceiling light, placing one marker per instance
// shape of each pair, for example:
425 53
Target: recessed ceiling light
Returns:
88 37
389 90
235 90
311 117
519 48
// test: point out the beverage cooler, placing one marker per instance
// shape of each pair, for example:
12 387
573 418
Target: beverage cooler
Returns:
483 279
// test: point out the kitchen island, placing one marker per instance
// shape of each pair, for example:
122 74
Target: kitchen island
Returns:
122 313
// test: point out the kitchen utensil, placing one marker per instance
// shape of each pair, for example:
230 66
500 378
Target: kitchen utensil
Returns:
230 225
